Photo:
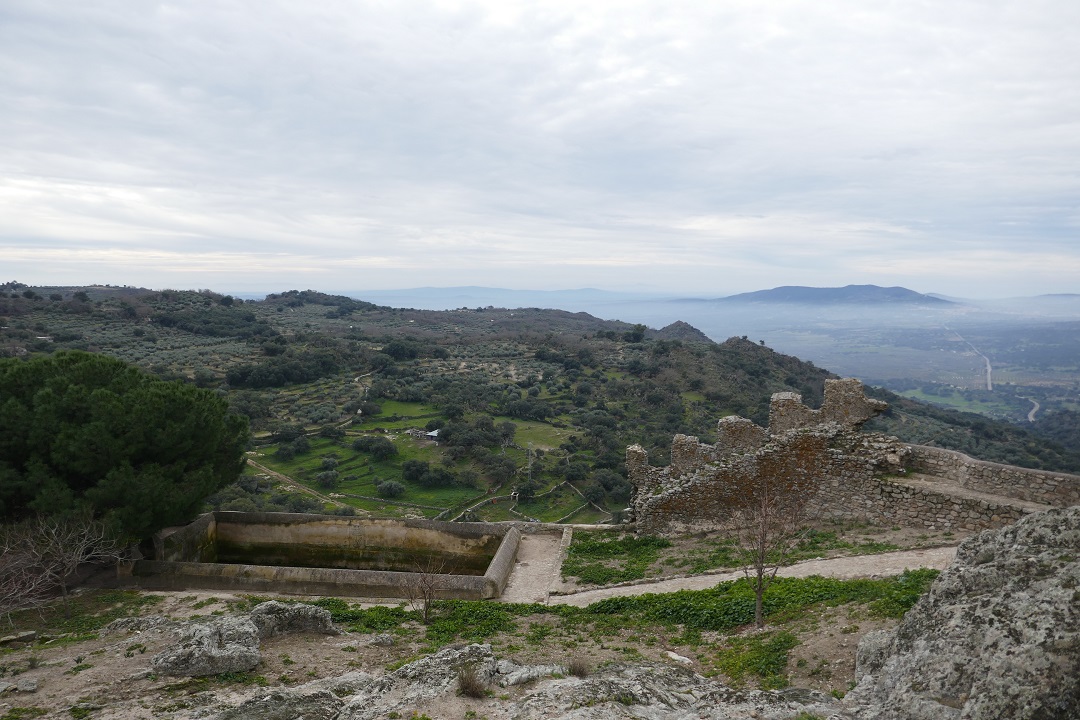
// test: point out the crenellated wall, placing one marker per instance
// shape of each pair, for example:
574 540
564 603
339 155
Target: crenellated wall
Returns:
852 475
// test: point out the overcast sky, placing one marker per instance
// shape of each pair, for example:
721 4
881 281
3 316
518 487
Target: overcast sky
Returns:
705 147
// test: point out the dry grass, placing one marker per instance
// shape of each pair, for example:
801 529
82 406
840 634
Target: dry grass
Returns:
470 684
578 667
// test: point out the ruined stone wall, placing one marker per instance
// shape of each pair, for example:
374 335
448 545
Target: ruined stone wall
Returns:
857 476
853 495
844 404
1041 486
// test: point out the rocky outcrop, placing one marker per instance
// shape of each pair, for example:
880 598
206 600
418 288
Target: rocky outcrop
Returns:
997 636
278 618
287 704
661 692
616 691
231 644
224 645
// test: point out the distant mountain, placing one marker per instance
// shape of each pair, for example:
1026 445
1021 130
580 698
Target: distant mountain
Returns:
847 295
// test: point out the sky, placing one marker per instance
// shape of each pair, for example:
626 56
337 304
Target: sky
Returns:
700 148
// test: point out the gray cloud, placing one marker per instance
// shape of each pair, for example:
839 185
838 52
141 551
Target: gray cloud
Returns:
704 147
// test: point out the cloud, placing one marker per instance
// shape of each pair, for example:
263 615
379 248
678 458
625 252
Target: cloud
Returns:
612 144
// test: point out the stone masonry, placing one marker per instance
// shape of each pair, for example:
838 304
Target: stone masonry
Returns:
853 475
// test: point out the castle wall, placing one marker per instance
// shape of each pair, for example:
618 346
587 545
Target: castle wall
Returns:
1041 486
856 476
853 495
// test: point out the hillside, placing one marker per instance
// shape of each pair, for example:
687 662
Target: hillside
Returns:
542 402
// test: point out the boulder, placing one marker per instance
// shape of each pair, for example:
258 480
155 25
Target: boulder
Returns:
997 635
278 618
223 645
286 704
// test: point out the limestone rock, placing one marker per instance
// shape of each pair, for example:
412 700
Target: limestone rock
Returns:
286 704
510 673
136 624
423 680
350 683
27 685
19 639
997 636
381 640
660 692
223 645
278 618
873 652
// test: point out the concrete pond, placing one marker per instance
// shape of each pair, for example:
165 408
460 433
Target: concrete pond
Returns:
303 554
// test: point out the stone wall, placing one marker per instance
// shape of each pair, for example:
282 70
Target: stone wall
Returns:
881 500
196 556
856 476
1041 486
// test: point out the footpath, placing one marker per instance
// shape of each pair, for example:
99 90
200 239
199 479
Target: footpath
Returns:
536 575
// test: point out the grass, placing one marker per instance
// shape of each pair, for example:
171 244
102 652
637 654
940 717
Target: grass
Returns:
470 684
89 613
552 506
605 558
542 435
764 656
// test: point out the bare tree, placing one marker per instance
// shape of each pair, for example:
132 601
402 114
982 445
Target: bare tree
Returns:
22 584
773 513
422 589
55 548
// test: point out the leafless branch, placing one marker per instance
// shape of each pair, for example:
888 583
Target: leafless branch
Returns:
422 589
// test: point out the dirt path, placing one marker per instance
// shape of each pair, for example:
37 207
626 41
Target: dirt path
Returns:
295 485
883 565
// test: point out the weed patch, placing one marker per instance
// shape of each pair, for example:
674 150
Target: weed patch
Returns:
605 560
764 656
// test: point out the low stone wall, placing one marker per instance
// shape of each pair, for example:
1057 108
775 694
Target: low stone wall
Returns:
883 501
1041 486
181 561
194 542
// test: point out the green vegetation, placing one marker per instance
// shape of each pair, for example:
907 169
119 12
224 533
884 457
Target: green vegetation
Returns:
88 613
764 655
538 402
728 606
80 430
604 559
601 558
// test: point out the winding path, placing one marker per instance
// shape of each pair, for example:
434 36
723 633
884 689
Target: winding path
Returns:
538 572
1034 409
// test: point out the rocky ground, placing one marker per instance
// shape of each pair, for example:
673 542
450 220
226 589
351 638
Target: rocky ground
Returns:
113 677
996 637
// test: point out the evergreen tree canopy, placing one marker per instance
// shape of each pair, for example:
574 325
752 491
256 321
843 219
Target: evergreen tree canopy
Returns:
78 429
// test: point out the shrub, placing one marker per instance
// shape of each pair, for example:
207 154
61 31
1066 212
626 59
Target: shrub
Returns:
389 489
578 667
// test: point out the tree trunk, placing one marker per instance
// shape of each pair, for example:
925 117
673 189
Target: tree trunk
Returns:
759 598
